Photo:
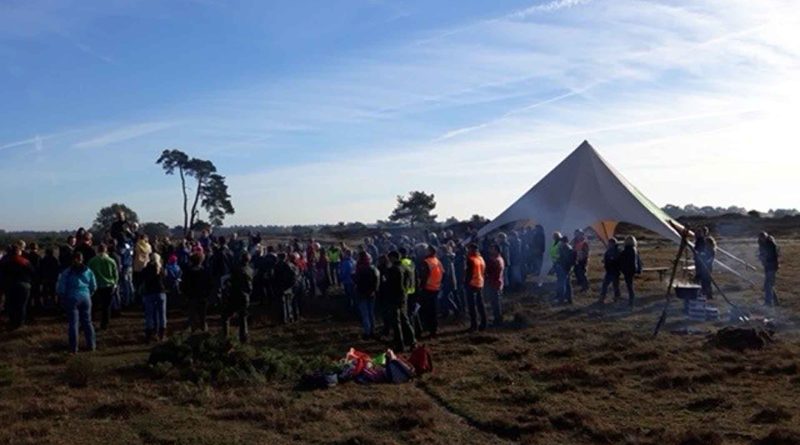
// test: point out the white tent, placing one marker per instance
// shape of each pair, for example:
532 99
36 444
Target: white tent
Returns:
585 191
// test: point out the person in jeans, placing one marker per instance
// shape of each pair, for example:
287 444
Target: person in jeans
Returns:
630 265
366 280
75 288
473 281
154 298
769 254
612 268
241 287
495 280
345 272
106 274
196 286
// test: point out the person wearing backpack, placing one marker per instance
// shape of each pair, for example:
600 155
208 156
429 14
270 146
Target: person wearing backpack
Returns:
394 291
630 265
612 268
769 255
75 288
474 280
241 287
106 274
366 280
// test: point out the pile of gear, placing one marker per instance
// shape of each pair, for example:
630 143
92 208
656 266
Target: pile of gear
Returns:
360 367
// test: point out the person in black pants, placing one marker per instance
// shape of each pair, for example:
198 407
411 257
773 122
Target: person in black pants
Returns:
630 265
17 276
196 286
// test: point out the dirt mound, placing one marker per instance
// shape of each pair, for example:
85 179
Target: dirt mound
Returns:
780 437
741 339
770 416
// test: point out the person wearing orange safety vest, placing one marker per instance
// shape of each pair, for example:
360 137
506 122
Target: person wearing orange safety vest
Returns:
431 276
580 245
473 281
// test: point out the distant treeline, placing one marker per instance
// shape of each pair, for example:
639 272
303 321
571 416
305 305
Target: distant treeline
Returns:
710 211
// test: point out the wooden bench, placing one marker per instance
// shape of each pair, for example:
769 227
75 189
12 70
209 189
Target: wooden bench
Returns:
662 271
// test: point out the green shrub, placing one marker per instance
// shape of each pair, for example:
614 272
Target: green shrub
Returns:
6 375
206 358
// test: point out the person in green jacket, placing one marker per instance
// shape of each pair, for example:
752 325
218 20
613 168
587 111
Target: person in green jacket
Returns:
106 274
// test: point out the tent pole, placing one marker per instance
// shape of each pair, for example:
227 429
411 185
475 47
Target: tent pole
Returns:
684 243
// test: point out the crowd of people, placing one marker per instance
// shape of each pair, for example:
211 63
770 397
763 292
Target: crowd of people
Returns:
406 284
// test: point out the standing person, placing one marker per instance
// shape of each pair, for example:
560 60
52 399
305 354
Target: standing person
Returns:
473 281
173 274
120 230
323 278
154 298
33 257
106 276
769 254
505 251
65 252
563 266
630 265
394 289
284 279
705 267
448 300
611 265
431 277
495 279
85 247
334 258
239 299
382 306
220 264
17 276
75 288
48 274
141 256
580 245
347 268
196 286
366 279
537 251
370 247
265 269
126 288
699 247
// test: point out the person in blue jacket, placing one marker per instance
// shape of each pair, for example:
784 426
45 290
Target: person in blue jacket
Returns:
75 288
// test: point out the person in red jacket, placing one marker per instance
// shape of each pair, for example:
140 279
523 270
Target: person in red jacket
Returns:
495 268
473 281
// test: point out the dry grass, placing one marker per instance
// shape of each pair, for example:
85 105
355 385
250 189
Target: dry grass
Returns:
581 374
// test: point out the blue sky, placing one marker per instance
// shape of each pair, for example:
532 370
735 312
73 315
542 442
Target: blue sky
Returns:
325 111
